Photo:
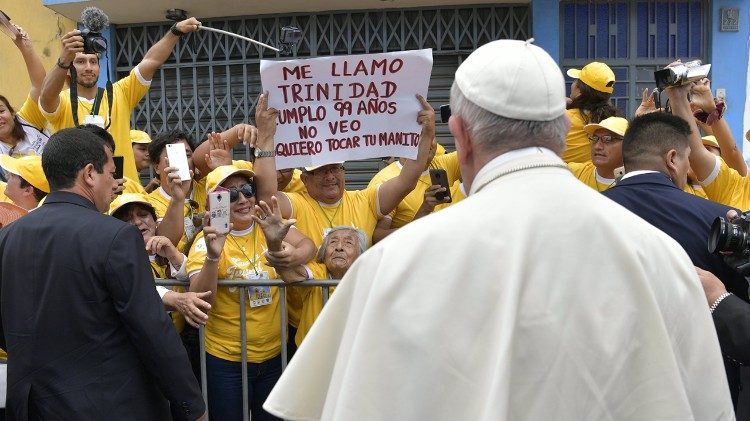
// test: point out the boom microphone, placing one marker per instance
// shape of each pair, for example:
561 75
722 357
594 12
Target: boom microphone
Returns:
94 19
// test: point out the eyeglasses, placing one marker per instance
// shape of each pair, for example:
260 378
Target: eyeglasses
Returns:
606 139
330 169
247 190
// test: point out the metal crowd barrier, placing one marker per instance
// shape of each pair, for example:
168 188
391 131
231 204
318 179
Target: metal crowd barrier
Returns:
242 285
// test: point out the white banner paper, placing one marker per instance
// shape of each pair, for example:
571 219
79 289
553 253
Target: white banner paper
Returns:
341 108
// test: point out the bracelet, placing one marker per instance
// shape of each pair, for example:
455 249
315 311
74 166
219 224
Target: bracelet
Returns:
719 300
62 66
264 154
212 259
175 31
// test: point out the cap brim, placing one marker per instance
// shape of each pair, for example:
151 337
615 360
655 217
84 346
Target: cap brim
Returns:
574 73
9 164
313 168
591 128
242 171
112 211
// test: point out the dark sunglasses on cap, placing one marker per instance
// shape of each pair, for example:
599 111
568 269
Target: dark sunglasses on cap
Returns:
247 190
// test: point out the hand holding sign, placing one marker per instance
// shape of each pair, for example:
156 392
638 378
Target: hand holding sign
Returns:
265 121
347 107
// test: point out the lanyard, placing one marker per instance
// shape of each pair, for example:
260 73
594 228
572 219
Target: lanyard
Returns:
242 249
330 220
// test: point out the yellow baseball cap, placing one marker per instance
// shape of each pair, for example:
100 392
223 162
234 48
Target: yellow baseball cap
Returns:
220 174
710 141
139 136
128 198
616 125
595 74
28 167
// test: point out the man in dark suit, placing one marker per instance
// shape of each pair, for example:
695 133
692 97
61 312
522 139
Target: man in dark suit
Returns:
86 334
655 153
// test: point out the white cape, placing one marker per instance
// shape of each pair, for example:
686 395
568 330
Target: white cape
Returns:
534 299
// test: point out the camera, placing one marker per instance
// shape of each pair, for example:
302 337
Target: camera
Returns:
732 240
93 42
681 74
290 36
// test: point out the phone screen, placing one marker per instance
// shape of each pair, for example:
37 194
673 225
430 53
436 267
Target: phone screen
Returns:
178 159
119 164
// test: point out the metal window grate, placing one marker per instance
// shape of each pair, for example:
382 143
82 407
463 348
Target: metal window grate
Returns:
212 81
633 38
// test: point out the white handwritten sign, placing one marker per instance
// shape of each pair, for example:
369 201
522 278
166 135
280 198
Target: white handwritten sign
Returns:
334 109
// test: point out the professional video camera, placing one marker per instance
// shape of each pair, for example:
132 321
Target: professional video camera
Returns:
681 74
732 240
290 36
94 22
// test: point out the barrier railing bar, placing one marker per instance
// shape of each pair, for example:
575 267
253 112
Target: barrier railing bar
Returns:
243 352
284 324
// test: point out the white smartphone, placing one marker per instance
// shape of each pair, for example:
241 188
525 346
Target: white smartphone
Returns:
178 159
218 207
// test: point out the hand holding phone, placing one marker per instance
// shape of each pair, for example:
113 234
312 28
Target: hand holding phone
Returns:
178 159
440 177
218 205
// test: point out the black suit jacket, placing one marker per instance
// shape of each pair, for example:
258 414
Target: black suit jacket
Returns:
685 217
732 320
86 333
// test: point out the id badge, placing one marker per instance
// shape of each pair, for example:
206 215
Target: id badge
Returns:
96 120
259 296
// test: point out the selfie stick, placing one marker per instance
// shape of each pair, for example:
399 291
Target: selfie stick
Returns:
232 34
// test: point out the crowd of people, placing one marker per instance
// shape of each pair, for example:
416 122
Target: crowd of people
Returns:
677 168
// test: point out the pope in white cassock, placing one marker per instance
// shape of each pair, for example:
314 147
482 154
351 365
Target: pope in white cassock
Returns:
534 299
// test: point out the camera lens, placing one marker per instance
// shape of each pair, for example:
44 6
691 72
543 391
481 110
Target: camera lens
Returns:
727 237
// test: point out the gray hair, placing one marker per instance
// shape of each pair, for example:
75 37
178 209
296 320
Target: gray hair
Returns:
361 239
500 134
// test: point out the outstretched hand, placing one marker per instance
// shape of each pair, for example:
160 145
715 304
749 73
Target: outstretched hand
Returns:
273 225
219 154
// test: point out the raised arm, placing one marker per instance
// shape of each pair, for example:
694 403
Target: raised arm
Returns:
276 230
393 191
265 167
53 84
34 65
701 160
216 151
172 225
160 52
207 279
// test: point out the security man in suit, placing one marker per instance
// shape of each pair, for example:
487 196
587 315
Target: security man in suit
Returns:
655 153
86 334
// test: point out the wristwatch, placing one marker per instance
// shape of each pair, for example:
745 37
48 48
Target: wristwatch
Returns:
264 154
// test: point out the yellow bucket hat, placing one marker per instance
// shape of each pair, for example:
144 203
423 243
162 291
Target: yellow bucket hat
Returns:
217 176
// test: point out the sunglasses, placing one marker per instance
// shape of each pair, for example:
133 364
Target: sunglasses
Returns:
247 190
606 139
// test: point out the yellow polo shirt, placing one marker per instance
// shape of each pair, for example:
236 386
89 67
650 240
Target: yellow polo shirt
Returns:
3 197
31 112
312 300
133 186
358 209
160 272
295 184
405 211
241 258
127 92
587 174
577 145
457 195
726 186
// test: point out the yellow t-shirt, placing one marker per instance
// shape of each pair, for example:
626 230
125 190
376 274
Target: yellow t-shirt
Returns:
457 195
132 186
312 300
587 174
160 272
695 189
405 211
159 199
577 145
263 312
127 92
358 209
31 112
726 186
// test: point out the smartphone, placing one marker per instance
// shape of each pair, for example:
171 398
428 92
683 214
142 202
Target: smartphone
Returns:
178 159
119 163
440 177
218 207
